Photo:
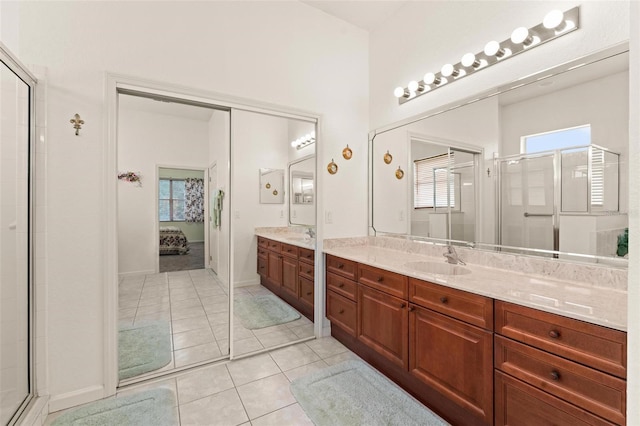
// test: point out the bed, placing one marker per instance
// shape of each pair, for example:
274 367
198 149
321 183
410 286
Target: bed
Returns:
172 241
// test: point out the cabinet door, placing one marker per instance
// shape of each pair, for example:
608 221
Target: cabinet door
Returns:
262 266
383 324
290 277
453 357
518 404
274 269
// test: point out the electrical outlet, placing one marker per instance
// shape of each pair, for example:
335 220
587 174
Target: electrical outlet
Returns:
328 217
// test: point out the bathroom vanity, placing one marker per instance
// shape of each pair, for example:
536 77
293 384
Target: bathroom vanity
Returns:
481 345
286 267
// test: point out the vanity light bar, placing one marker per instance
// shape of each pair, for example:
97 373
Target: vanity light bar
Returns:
303 141
555 24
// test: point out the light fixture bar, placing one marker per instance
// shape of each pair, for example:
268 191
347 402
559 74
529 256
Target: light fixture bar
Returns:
555 24
303 141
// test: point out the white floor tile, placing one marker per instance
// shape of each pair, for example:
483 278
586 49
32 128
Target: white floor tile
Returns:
266 395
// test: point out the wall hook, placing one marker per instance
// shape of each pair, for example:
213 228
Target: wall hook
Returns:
77 123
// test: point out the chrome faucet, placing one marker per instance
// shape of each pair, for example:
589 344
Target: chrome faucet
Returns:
452 256
311 233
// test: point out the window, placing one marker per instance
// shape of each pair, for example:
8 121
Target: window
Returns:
171 200
557 139
430 187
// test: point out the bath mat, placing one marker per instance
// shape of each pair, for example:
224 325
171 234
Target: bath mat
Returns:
263 311
143 347
150 408
352 393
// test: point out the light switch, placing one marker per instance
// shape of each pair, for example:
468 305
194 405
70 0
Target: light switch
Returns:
328 217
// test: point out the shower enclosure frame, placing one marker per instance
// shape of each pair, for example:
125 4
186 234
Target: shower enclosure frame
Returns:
22 72
556 154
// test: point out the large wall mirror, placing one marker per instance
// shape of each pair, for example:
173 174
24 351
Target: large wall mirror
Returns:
302 209
538 166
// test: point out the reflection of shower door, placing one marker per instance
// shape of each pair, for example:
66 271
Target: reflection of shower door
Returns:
214 232
527 194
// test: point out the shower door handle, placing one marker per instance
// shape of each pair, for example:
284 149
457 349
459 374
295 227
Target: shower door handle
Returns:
537 214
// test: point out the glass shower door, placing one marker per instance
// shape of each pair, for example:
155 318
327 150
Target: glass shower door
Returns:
527 186
15 334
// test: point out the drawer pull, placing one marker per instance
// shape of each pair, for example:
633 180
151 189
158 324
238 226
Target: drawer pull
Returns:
380 279
554 334
288 250
402 305
411 308
308 256
554 375
340 265
309 294
262 267
309 271
341 311
341 285
444 299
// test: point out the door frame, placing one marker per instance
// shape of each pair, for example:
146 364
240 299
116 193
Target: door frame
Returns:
118 83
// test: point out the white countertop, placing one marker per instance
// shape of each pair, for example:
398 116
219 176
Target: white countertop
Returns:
586 302
294 238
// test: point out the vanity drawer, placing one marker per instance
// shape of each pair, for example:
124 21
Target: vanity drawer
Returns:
274 246
346 268
306 290
342 286
388 282
306 255
306 270
263 242
593 345
470 308
262 252
585 387
289 250
342 312
517 403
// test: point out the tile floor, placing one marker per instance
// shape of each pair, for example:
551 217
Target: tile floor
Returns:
251 391
196 304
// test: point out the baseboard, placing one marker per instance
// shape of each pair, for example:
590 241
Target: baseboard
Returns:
72 399
129 274
36 413
247 283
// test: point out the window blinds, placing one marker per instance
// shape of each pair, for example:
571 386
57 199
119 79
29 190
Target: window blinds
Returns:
430 182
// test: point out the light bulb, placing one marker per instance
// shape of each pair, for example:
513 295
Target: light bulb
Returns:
414 86
553 20
469 60
521 36
449 70
398 92
493 48
294 143
430 78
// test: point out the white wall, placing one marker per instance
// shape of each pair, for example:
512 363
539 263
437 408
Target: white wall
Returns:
259 141
423 36
147 140
284 53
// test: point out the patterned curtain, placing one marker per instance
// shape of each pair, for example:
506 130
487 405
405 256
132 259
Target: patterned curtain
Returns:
194 200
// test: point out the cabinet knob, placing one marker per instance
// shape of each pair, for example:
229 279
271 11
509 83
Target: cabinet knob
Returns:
341 285
411 308
309 294
554 334
262 267
309 271
340 265
444 299
380 279
554 375
341 311
402 305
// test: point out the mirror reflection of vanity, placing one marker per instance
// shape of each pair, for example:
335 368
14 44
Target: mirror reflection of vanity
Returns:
512 167
302 189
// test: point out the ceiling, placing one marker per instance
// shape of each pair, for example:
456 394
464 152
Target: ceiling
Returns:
365 14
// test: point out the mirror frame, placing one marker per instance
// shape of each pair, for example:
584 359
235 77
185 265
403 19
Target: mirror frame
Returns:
537 76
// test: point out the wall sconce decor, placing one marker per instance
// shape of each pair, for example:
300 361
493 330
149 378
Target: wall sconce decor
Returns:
399 173
131 177
388 158
555 24
305 140
268 185
77 123
332 167
347 153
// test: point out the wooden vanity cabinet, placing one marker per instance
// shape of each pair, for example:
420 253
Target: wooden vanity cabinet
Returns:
569 362
288 271
342 293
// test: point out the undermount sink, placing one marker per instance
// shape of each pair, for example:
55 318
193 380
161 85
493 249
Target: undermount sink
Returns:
440 268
